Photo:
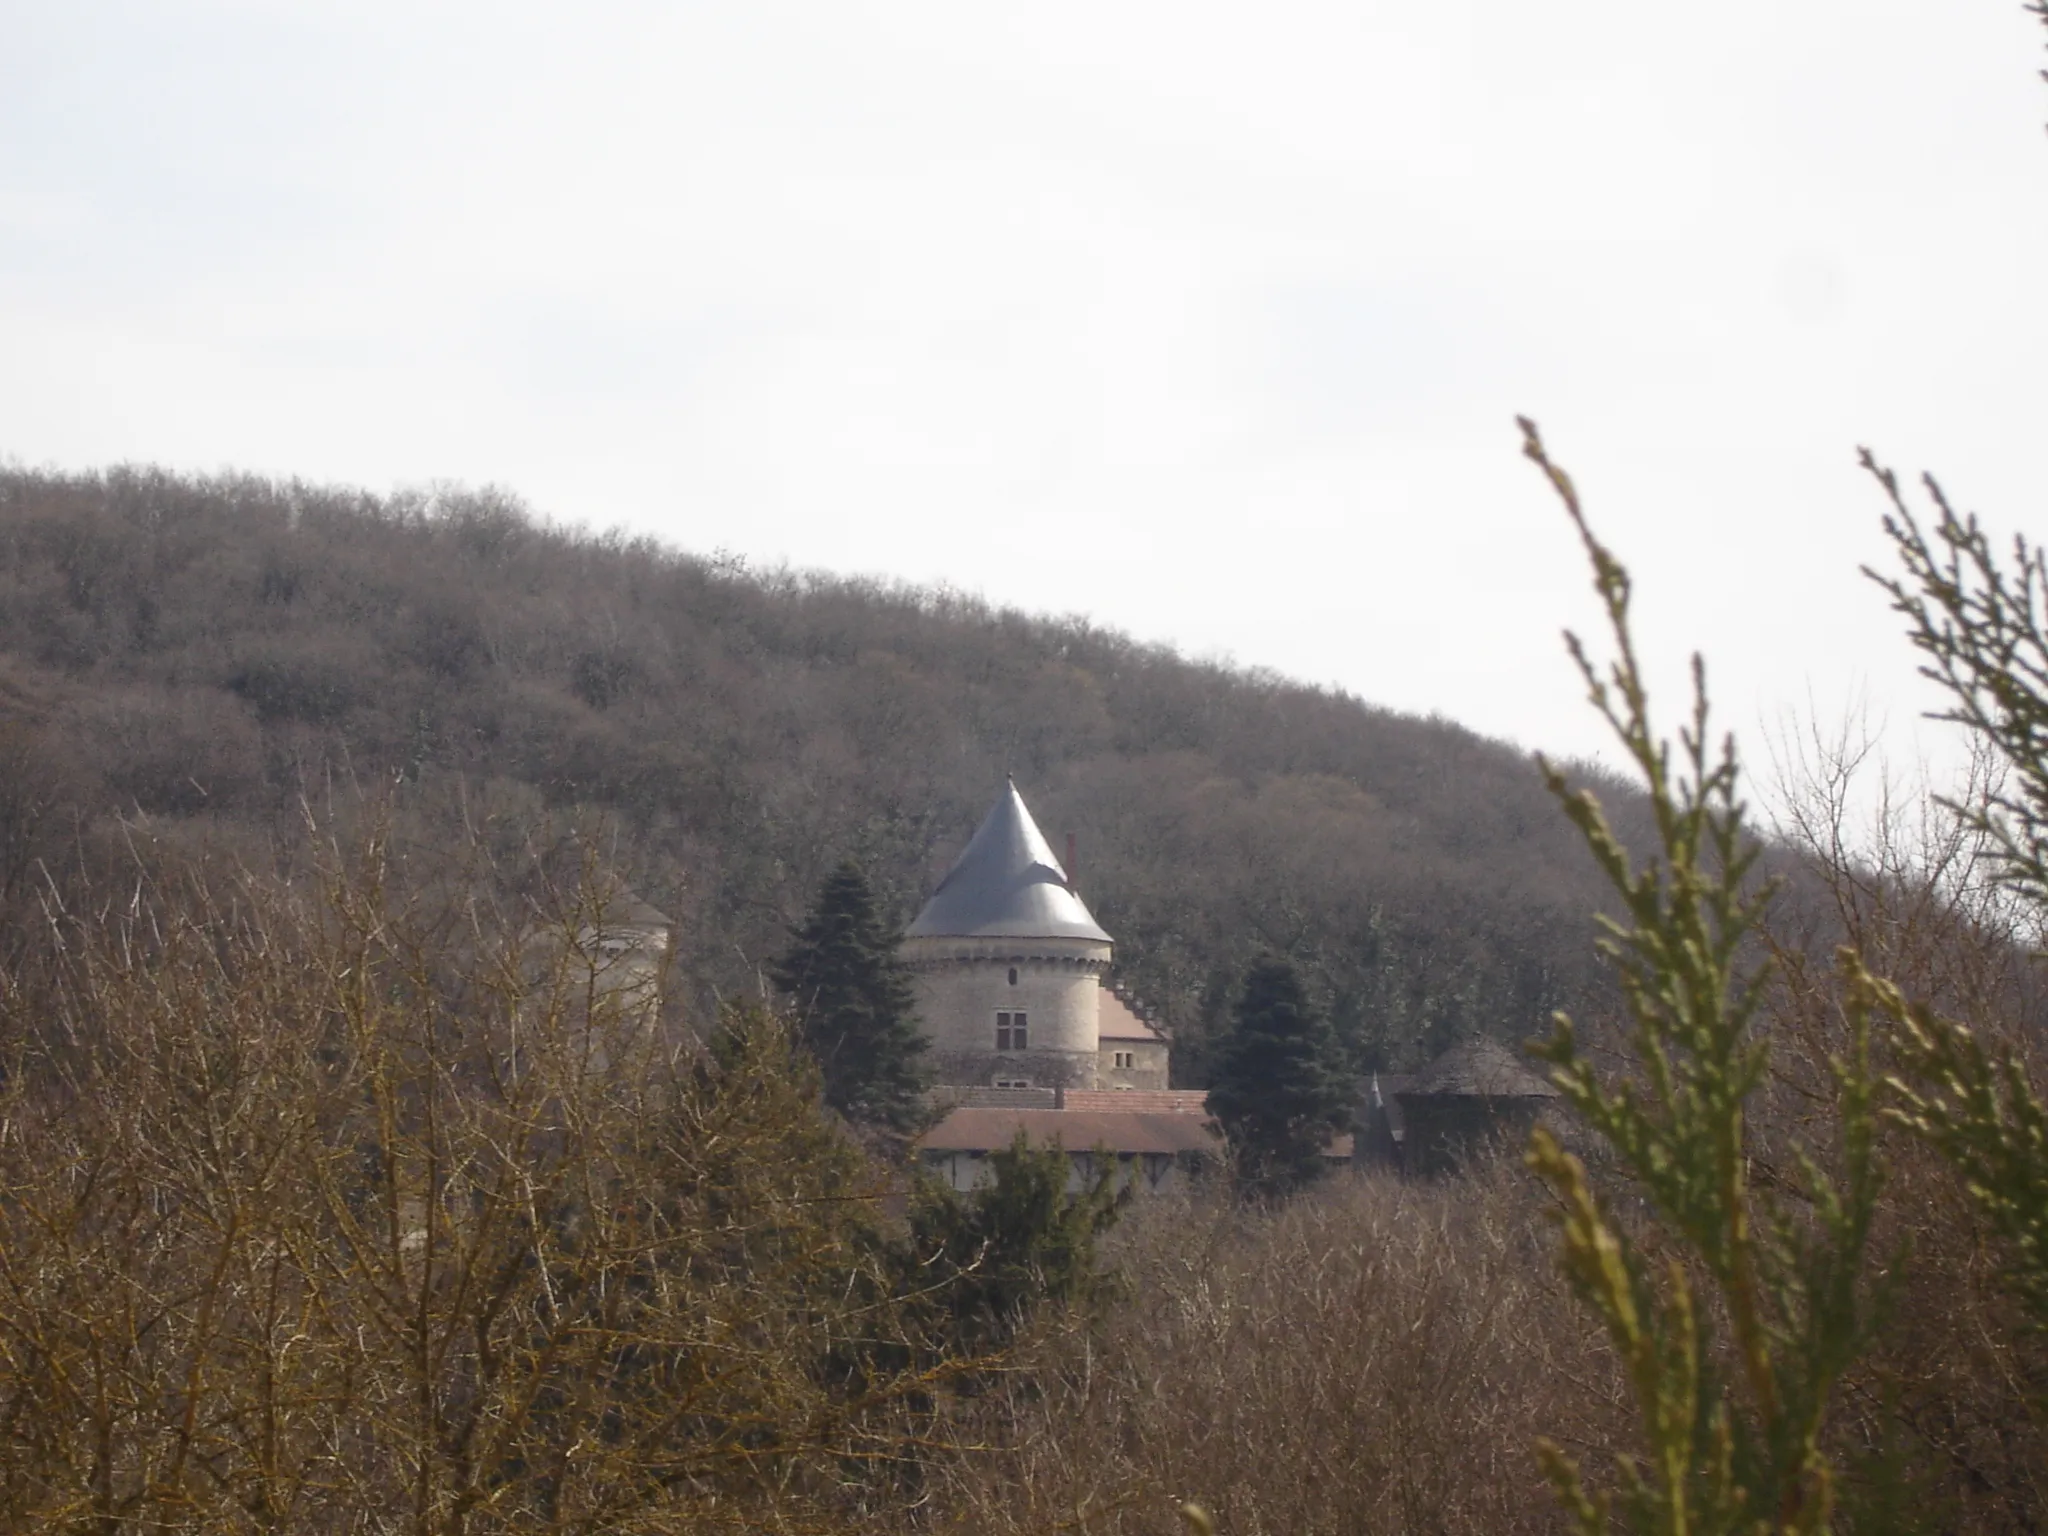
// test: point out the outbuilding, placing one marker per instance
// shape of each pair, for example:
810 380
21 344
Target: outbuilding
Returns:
1154 1149
1474 1096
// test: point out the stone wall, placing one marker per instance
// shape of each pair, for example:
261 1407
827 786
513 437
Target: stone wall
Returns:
1147 1069
1056 983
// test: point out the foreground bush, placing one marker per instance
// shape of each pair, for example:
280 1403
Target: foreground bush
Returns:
1741 1248
1375 1356
351 1215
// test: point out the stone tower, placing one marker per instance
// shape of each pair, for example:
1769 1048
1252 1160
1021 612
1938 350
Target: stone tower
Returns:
1008 964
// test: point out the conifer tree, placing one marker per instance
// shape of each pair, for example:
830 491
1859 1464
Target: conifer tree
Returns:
853 1004
988 1257
1278 1092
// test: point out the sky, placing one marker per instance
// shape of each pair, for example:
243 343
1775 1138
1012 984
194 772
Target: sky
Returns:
1209 323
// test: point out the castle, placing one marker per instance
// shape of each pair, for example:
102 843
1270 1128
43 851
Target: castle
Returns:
1009 968
1026 1040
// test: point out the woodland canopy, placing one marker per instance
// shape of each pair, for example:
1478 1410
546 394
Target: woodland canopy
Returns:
189 666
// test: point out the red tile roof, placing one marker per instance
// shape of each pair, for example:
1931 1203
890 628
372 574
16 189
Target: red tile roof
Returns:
1159 1101
986 1130
1120 1022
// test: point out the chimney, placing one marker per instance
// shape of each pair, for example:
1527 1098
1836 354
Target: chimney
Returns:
1072 872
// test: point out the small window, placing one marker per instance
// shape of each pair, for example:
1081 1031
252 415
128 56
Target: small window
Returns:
1003 1080
1010 1031
1126 1058
1013 975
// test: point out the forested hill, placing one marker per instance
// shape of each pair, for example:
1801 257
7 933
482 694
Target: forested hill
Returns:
186 663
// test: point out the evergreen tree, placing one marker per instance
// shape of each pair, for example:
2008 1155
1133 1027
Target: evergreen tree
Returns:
988 1257
853 1004
1278 1091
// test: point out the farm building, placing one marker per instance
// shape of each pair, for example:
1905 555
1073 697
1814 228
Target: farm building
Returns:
1155 1141
1473 1096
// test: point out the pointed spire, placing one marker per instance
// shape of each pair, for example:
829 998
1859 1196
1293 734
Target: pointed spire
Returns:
1006 884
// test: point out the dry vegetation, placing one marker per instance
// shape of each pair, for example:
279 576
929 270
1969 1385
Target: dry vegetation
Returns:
354 1205
338 1193
1375 1356
194 658
1381 1355
336 1214
332 1196
1951 1403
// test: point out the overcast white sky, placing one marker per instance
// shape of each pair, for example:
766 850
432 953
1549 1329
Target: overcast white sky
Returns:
1209 322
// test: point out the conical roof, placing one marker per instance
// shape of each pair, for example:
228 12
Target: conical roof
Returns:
1006 884
1480 1068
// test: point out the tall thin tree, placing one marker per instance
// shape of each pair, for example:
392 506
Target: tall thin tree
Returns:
854 1004
1278 1092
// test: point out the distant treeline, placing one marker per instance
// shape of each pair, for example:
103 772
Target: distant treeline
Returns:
191 666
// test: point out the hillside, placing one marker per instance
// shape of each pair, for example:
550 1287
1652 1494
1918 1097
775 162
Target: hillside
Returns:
187 664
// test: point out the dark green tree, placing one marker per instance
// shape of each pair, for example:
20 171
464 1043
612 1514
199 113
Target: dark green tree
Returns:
853 1004
988 1257
1279 1091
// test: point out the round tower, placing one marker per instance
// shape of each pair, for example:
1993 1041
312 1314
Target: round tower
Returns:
1008 964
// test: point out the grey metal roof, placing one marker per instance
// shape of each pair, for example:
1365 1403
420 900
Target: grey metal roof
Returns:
1006 884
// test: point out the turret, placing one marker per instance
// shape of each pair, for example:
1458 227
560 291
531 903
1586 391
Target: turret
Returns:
1008 962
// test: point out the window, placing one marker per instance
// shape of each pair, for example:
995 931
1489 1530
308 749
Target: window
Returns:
1126 1058
1004 1081
1013 975
1010 1031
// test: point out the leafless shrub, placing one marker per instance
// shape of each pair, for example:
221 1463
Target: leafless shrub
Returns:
1378 1355
341 1213
209 650
1942 1426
